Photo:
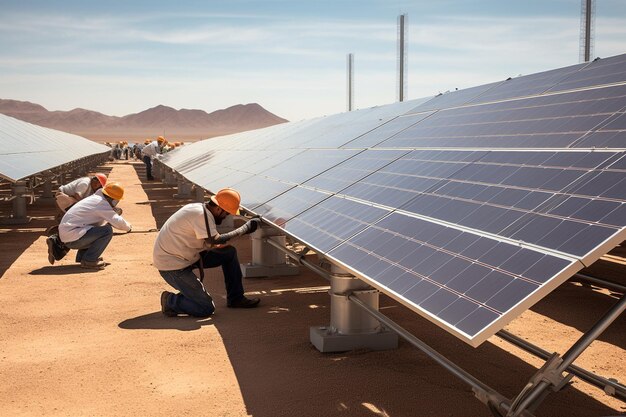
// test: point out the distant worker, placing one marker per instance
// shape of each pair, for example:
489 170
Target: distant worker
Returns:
88 227
189 240
69 194
149 152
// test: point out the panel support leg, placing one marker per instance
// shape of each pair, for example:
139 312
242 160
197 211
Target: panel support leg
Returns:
20 191
168 177
47 197
350 326
184 188
267 261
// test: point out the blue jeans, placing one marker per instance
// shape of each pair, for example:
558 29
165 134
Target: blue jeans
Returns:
193 298
92 244
148 162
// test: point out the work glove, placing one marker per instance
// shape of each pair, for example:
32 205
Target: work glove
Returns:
250 226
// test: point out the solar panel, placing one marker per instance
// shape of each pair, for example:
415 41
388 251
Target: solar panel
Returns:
599 72
27 149
468 207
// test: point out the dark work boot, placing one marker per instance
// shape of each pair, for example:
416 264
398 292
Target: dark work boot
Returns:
244 302
168 312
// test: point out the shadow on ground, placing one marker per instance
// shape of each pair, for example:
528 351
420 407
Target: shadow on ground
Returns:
156 321
62 270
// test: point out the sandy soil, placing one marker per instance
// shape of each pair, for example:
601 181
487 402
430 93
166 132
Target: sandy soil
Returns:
78 343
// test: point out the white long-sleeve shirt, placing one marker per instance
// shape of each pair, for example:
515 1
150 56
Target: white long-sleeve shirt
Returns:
92 211
151 149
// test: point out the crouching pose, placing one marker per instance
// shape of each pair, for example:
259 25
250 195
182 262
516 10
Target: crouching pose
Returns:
88 227
188 240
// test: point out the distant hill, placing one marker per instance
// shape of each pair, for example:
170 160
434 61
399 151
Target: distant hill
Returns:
184 124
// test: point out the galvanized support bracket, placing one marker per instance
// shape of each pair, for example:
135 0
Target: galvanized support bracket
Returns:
19 193
184 188
267 261
350 326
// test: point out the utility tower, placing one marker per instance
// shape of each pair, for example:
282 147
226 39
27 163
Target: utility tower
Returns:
350 82
403 24
587 28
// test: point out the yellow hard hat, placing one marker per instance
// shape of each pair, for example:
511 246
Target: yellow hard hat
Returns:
113 190
146 142
228 200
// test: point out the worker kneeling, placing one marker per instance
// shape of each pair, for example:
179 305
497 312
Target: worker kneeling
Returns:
188 240
88 225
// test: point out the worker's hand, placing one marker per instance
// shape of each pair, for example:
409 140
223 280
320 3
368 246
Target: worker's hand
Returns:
251 225
118 210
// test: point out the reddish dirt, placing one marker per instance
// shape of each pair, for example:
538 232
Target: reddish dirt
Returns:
78 343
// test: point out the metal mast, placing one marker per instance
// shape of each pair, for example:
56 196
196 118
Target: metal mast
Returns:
350 81
587 27
403 22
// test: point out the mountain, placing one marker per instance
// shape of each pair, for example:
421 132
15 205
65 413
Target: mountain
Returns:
184 124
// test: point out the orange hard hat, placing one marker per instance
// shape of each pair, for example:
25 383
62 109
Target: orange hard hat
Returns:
113 190
160 139
101 178
228 200
147 141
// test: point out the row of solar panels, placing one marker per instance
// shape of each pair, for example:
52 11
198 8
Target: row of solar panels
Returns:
468 207
27 149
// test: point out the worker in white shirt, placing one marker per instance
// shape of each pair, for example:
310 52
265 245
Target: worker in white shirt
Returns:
189 240
88 226
149 152
78 189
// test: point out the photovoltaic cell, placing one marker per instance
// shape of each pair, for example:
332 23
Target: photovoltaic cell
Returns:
332 221
353 169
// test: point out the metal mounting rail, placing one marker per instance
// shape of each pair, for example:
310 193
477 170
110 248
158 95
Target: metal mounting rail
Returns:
536 389
609 285
609 386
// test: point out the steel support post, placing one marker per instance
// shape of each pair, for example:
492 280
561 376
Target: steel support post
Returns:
267 260
351 327
168 177
184 188
48 196
19 191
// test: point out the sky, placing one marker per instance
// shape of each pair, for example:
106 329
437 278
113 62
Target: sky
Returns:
122 57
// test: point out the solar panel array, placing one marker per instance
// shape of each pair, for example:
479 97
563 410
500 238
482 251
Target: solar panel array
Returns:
27 149
468 207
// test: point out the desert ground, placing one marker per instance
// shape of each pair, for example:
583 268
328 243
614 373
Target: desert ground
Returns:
94 343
